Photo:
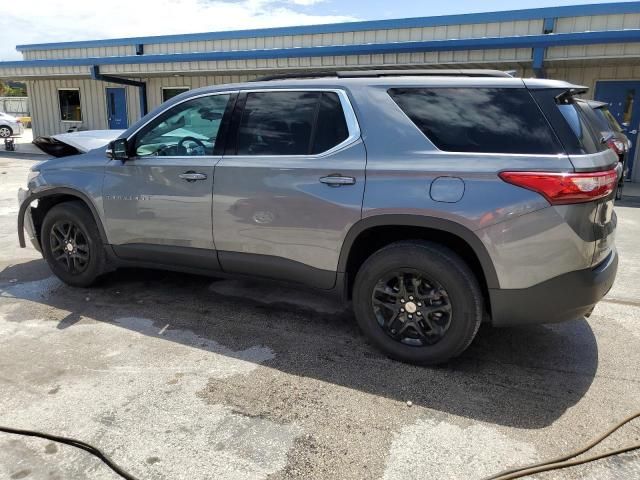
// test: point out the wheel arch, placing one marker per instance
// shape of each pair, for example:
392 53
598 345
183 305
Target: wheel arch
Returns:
373 233
47 199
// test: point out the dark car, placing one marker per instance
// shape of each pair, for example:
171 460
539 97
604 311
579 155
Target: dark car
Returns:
612 134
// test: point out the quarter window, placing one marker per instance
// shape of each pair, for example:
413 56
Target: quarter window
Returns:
188 129
69 100
291 123
483 120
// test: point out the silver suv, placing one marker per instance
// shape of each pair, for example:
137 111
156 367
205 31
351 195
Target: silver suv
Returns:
433 200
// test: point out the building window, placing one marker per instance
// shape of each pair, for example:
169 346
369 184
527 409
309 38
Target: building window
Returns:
70 110
170 92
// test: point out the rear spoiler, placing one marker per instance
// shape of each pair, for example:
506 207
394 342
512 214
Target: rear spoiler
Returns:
568 94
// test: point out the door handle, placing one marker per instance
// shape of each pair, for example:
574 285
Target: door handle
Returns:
337 180
192 176
633 132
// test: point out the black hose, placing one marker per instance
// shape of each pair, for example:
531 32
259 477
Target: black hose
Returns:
519 472
564 461
74 443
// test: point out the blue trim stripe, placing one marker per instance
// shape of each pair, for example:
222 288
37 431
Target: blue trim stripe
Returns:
464 19
524 41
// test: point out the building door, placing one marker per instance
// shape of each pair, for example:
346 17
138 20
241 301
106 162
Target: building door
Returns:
624 103
116 108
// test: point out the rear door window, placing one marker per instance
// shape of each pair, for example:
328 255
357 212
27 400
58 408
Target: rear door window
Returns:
291 123
483 120
331 126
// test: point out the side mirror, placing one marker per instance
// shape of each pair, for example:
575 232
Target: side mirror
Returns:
118 149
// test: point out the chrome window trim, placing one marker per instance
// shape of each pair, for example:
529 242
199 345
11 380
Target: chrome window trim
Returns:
347 109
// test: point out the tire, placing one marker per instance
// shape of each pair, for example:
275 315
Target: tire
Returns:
5 131
440 278
82 266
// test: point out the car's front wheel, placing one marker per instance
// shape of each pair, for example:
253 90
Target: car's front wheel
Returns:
5 132
71 244
418 302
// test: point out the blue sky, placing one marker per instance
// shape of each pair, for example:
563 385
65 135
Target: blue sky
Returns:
66 20
371 10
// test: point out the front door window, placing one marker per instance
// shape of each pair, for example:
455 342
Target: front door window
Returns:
188 129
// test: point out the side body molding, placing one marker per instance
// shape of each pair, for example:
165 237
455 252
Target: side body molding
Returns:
58 191
433 223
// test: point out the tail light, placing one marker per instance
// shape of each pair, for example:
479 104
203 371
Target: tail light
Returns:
616 145
565 188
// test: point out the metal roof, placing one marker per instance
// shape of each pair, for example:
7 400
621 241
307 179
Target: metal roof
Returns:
518 41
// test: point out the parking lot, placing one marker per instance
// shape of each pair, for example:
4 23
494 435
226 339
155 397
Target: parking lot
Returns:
185 377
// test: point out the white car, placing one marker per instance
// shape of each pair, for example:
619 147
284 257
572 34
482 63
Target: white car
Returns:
10 126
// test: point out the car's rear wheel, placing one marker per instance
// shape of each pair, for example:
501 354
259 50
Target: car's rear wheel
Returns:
5 131
418 302
71 244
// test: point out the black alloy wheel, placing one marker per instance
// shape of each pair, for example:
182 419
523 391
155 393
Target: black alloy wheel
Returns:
418 302
70 247
411 308
71 244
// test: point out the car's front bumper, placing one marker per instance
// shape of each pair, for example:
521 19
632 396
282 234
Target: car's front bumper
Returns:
25 220
566 297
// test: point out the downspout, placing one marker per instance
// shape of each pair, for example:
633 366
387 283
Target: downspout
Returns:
540 52
142 86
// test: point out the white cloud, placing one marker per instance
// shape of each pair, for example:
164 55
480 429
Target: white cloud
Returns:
40 21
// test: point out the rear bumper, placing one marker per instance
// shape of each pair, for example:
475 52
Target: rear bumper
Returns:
566 297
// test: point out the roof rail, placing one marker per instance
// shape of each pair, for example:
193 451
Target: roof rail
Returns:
389 73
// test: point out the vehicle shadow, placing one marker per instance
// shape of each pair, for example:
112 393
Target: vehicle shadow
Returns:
628 201
630 197
521 377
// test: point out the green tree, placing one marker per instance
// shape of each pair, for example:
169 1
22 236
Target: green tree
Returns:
15 90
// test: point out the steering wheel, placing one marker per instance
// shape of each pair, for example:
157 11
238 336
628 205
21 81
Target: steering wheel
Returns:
194 140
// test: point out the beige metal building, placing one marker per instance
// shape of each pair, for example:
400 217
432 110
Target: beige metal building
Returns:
103 84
